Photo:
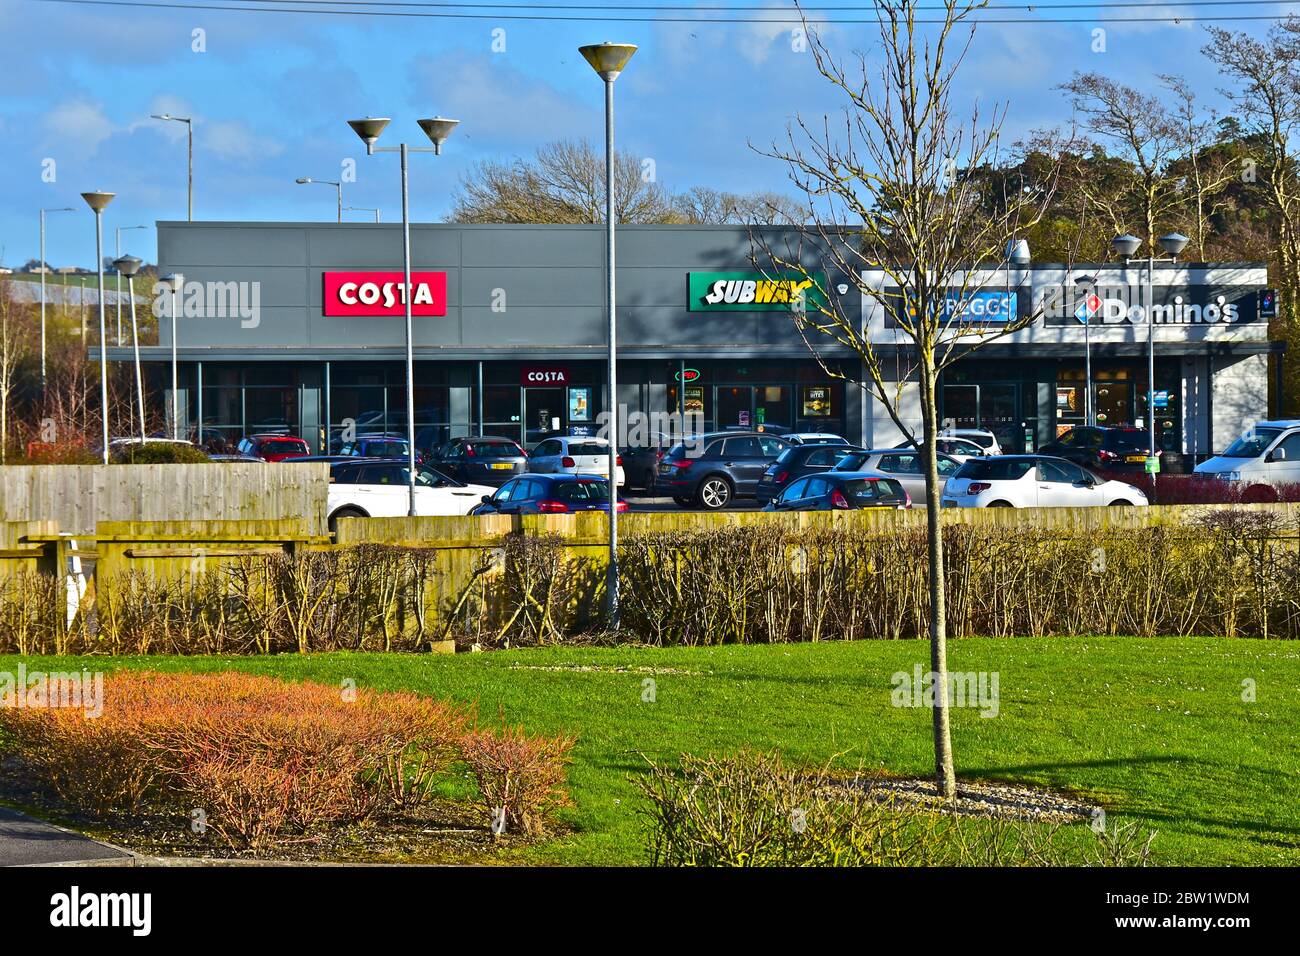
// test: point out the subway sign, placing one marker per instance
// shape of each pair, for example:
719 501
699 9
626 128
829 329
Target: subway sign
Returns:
383 293
754 291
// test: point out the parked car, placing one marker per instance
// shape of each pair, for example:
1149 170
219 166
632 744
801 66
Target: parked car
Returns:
1117 448
641 462
959 448
841 490
1033 481
379 488
1263 458
729 466
815 438
238 456
274 447
796 462
481 459
980 436
548 495
332 459
572 455
378 445
905 464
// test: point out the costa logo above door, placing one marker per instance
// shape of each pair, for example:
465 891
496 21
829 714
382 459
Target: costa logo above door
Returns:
383 293
544 375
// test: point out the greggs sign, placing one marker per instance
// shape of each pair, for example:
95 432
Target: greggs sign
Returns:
383 293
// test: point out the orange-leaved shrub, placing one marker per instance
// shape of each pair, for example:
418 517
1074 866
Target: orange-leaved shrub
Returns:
520 776
256 755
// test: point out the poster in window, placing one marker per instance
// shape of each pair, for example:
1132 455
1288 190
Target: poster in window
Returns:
695 399
816 401
580 404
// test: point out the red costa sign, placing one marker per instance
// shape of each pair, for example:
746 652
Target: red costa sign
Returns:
544 375
381 293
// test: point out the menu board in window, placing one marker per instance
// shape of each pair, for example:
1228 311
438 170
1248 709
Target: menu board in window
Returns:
817 401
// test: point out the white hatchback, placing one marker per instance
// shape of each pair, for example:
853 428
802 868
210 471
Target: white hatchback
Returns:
1033 481
573 455
378 488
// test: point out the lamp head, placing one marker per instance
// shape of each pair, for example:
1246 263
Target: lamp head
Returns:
173 281
1126 245
1174 243
303 180
438 128
369 128
127 265
1018 252
608 59
98 201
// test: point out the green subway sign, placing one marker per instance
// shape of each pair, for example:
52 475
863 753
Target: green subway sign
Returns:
755 292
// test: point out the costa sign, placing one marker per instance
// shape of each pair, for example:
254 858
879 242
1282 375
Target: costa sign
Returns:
384 293
544 375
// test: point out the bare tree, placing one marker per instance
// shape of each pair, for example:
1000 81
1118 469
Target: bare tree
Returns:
12 347
703 204
1146 135
1266 101
1205 171
897 208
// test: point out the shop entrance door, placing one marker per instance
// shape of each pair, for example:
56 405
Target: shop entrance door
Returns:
543 415
752 406
993 407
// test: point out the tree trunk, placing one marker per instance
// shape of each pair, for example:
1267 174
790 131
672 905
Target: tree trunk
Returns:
945 774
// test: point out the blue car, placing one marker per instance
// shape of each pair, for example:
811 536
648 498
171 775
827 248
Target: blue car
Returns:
549 495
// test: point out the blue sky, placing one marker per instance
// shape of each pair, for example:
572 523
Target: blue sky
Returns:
271 94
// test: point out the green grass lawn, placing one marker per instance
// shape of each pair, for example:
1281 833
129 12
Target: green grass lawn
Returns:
1156 731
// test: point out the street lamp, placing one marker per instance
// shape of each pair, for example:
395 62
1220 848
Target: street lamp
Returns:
1172 244
338 186
363 209
128 266
608 60
1085 285
45 267
189 125
117 251
437 129
175 282
98 202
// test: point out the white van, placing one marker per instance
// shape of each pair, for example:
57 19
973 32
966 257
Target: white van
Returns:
1264 458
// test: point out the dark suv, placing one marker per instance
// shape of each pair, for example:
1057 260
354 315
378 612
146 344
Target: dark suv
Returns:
479 459
796 462
1120 448
714 469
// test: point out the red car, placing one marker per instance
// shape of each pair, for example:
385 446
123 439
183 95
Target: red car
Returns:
274 447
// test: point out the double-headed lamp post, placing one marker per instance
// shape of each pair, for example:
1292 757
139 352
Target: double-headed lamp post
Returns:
175 282
128 266
98 202
437 128
45 267
608 60
1126 245
338 187
189 127
363 209
117 279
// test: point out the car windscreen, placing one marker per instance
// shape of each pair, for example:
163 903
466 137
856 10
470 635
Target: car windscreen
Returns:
588 448
788 455
1252 445
984 441
494 449
852 461
874 489
995 469
1128 439
431 478
284 444
385 449
580 491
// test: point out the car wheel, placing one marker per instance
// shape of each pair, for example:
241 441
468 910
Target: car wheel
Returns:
1121 503
999 504
344 513
1258 495
714 493
648 480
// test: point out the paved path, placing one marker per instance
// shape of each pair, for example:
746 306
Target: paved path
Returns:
28 842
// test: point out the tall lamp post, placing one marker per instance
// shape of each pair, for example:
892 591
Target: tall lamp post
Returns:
45 267
98 202
117 252
128 266
1126 245
437 128
175 282
608 60
1083 313
189 126
363 209
338 186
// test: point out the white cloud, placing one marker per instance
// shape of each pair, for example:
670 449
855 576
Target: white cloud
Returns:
78 123
234 140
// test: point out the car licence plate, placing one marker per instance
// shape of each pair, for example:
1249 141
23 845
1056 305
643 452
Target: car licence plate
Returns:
502 465
1138 459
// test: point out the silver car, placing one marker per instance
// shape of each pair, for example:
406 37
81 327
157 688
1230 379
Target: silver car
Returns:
905 464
